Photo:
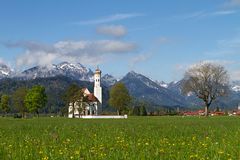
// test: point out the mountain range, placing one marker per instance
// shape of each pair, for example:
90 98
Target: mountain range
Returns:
157 93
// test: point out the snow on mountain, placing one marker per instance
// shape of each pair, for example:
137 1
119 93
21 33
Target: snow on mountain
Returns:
176 86
108 80
5 71
235 86
148 82
162 84
74 71
144 88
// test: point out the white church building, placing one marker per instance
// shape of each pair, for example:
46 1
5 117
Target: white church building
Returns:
94 105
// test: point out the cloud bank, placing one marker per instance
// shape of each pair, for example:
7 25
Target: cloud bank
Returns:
85 52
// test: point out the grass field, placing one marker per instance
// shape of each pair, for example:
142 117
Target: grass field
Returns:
133 138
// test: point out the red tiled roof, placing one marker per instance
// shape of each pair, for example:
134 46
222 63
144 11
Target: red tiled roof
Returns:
92 98
83 89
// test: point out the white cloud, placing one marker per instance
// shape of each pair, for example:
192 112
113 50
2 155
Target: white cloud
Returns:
85 52
205 14
93 47
139 58
112 30
226 47
232 3
1 61
4 62
111 18
222 13
36 57
162 40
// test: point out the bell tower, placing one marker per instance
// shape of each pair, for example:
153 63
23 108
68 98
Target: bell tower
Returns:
97 85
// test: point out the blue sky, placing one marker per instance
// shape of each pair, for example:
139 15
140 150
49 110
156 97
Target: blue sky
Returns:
159 39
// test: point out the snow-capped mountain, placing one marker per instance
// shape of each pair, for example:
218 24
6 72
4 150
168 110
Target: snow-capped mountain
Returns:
74 71
144 88
139 86
235 86
176 86
162 84
5 71
148 82
108 80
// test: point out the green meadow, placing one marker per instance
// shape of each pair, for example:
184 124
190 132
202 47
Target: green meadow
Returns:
133 138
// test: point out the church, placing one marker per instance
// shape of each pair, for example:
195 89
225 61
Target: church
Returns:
94 105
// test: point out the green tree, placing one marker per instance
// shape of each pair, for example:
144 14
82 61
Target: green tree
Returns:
143 111
140 109
119 97
136 111
18 98
35 99
5 103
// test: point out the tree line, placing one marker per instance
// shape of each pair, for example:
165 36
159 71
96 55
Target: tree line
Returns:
24 100
34 99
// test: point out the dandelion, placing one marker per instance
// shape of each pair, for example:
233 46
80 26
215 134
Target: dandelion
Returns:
161 150
77 152
194 138
45 158
60 152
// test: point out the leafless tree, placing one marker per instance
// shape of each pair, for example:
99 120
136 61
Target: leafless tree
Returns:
207 81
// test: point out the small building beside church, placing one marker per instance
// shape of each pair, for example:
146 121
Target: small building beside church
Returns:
94 105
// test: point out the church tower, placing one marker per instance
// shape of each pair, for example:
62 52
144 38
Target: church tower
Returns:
98 88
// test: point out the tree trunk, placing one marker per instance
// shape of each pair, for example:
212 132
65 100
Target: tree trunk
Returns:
73 110
206 110
79 113
118 112
37 114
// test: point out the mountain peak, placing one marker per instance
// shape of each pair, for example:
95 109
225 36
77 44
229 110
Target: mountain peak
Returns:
108 80
5 71
133 74
162 84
